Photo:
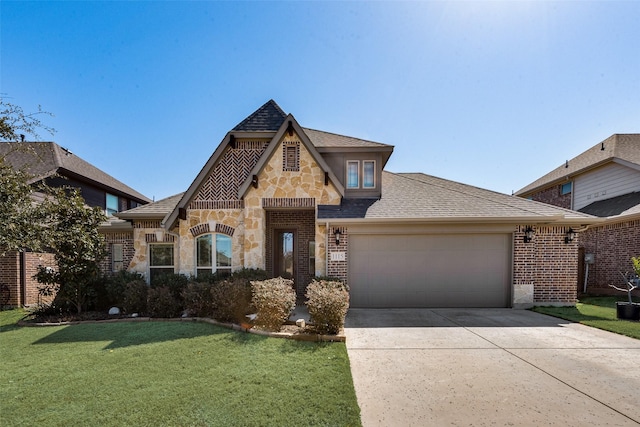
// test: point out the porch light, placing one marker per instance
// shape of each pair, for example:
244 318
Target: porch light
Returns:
159 235
337 233
528 234
570 235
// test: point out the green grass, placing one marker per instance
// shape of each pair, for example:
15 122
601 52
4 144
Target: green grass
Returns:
170 374
599 312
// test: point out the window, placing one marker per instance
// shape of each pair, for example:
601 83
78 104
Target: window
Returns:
291 156
112 204
213 254
353 174
312 257
160 260
566 188
117 257
369 174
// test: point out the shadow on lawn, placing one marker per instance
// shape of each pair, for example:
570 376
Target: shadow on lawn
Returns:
128 334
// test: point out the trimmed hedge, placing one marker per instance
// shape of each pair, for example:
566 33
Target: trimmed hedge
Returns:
274 300
328 302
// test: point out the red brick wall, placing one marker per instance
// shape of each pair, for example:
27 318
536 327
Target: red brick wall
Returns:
613 245
338 268
553 196
548 263
126 239
303 223
11 275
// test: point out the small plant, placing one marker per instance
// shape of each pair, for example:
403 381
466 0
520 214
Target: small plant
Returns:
232 299
328 302
162 303
274 300
631 279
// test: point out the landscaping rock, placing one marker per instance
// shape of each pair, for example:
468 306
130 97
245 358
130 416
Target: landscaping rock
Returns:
114 311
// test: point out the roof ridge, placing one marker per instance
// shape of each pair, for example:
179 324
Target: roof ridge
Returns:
344 136
268 117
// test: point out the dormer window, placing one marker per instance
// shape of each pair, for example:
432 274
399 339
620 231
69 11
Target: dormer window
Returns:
353 175
369 174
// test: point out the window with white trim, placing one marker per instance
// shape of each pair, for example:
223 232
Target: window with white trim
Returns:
160 260
369 174
117 257
353 174
213 254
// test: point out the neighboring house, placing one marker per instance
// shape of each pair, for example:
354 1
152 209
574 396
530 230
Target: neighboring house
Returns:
300 203
56 166
604 181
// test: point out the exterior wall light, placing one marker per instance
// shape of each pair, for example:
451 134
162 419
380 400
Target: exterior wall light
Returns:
337 233
528 235
570 235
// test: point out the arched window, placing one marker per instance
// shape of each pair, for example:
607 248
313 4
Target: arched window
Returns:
213 254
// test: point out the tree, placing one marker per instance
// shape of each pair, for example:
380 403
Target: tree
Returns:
14 122
78 247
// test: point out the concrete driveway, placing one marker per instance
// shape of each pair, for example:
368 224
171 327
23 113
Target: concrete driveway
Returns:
436 367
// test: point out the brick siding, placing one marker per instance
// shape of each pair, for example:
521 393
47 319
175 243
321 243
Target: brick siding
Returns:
11 275
553 196
613 245
303 223
548 263
338 269
128 251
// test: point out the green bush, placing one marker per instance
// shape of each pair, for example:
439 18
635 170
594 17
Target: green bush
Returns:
162 303
274 300
232 299
175 282
249 274
198 300
328 302
116 284
134 298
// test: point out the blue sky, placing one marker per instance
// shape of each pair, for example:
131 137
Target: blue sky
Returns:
492 94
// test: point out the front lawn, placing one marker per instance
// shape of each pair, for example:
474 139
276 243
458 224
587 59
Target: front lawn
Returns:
169 373
599 312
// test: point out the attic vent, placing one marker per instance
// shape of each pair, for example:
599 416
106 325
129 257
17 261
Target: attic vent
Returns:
291 156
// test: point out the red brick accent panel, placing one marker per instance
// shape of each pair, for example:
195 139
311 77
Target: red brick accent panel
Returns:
338 269
553 196
11 274
303 223
126 239
548 263
613 245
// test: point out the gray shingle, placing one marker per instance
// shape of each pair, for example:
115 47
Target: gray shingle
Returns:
269 117
153 210
613 206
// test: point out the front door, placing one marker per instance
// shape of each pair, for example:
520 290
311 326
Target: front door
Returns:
284 254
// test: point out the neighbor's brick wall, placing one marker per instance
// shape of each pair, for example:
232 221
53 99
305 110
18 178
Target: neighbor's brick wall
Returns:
613 245
338 268
553 196
10 276
548 263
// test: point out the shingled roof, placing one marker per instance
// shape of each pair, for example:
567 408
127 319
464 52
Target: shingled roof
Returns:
624 148
269 117
155 210
420 197
619 205
45 159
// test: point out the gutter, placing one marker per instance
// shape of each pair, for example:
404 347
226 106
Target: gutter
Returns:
552 219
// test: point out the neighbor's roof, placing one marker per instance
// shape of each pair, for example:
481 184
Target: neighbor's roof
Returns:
420 197
44 159
615 206
154 210
619 148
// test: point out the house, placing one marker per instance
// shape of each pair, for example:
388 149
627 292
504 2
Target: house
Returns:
603 181
56 166
300 203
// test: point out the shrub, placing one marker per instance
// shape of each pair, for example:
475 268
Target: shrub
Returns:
116 285
274 300
175 282
232 299
328 302
162 303
134 299
249 274
198 300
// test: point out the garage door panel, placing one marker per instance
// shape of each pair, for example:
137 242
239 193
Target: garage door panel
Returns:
443 270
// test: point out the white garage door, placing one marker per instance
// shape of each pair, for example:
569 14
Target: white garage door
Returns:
434 270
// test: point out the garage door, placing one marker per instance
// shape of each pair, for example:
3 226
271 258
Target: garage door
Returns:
435 270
